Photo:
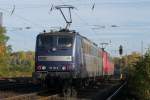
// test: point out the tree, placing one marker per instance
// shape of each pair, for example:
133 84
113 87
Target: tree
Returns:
4 52
22 63
139 81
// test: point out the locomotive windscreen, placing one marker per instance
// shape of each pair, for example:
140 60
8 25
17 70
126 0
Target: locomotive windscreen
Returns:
59 41
45 41
65 41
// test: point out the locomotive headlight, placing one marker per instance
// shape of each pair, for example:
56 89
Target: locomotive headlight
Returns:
53 49
64 68
43 67
54 68
50 68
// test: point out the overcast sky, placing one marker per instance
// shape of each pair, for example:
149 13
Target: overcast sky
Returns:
131 17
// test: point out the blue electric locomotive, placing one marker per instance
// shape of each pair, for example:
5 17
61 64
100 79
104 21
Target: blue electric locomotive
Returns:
66 57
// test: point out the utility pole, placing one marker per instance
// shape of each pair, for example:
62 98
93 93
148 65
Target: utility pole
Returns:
142 48
1 19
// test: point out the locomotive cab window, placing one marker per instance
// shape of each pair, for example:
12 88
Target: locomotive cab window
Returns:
45 41
60 41
65 41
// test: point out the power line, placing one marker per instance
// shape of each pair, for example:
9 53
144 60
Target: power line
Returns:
22 18
86 23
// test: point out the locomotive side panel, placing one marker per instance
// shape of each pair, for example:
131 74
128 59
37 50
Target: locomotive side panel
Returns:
91 58
100 62
108 66
80 69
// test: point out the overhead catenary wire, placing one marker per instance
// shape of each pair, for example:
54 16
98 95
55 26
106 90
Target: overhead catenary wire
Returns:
23 18
86 23
13 10
52 7
42 5
92 2
29 21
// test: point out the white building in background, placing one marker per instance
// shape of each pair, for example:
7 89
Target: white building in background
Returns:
1 19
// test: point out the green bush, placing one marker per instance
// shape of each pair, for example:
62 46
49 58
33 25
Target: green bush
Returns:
139 80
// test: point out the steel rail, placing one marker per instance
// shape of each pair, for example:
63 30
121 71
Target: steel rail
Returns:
22 97
117 91
31 96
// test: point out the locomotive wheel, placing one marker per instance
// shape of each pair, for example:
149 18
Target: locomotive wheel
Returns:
73 92
86 83
67 91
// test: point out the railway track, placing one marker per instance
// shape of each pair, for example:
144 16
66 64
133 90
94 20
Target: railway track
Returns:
116 92
12 87
16 80
16 90
34 96
20 89
101 92
28 91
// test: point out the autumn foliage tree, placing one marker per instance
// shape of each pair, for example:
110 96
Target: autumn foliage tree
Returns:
140 78
138 68
22 63
14 63
4 52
